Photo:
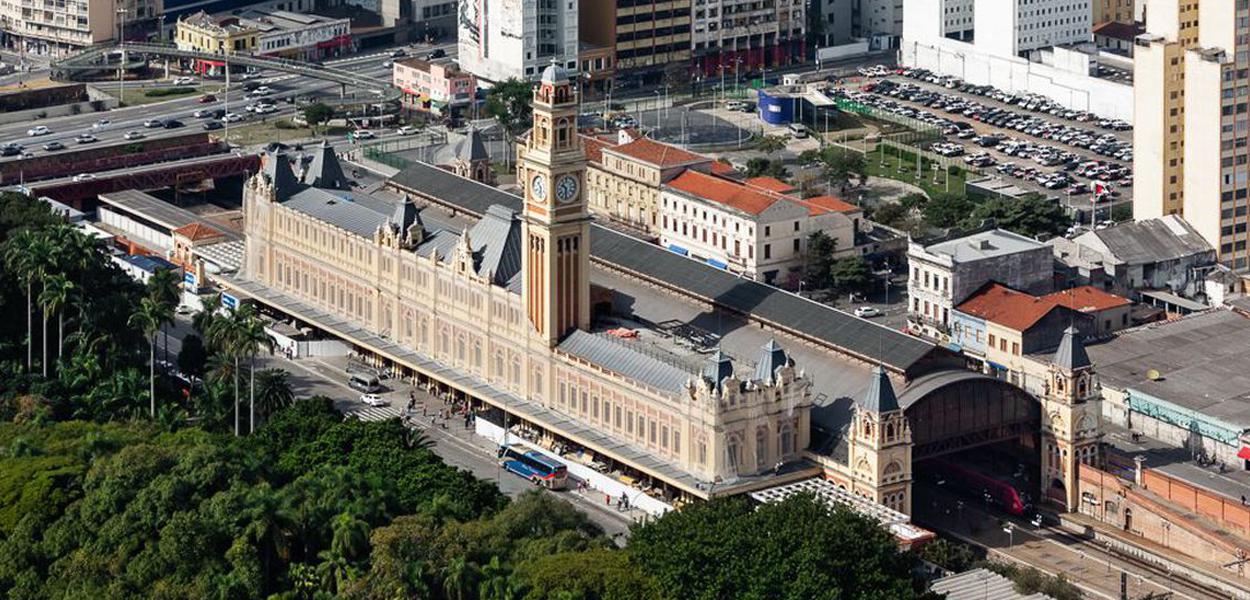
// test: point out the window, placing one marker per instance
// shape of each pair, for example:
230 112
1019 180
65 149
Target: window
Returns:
1015 348
768 251
786 436
761 447
993 343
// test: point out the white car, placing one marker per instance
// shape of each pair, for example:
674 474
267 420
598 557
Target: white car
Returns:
85 138
102 124
262 91
406 130
153 123
38 130
373 400
364 134
867 312
184 309
264 109
203 113
133 135
232 118
84 177
184 81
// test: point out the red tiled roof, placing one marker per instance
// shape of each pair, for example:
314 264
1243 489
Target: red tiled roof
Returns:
1119 31
724 191
820 205
721 167
660 155
197 231
1002 305
771 184
1087 298
593 146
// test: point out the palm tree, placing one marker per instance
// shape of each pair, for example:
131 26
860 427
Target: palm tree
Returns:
150 316
459 577
248 335
205 321
21 261
273 392
495 582
57 291
163 287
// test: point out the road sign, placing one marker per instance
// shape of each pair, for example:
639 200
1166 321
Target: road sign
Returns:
190 281
229 301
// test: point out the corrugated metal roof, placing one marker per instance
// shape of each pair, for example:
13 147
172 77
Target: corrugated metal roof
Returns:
618 357
496 240
340 209
1151 240
979 584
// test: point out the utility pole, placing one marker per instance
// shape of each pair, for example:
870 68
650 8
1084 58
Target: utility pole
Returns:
121 44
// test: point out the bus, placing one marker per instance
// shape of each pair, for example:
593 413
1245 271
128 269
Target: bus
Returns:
534 466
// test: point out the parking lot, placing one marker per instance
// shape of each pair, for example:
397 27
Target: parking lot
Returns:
1074 156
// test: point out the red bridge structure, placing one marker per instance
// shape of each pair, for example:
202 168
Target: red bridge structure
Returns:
82 194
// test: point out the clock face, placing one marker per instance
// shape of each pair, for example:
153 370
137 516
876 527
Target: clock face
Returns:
538 187
566 188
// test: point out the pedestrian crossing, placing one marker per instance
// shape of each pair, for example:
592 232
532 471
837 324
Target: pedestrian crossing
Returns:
374 413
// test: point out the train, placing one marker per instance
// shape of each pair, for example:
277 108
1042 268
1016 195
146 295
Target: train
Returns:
994 490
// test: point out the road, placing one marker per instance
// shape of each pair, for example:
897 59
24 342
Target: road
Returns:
1088 565
452 442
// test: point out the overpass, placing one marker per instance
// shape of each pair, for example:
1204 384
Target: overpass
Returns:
354 88
82 194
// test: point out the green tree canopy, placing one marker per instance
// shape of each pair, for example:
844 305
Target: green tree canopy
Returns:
1031 216
509 104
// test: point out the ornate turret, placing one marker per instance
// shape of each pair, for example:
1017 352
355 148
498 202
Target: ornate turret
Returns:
772 358
879 397
276 171
1071 354
325 171
718 368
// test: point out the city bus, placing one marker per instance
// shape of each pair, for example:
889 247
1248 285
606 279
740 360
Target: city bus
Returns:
534 466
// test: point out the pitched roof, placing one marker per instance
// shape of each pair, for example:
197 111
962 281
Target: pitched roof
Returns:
1087 298
879 397
1119 31
1071 353
325 170
593 147
1000 304
1150 240
772 357
471 148
771 184
723 168
276 166
657 154
619 357
819 205
198 231
730 193
718 367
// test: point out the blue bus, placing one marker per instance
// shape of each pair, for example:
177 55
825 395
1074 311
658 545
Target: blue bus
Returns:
534 466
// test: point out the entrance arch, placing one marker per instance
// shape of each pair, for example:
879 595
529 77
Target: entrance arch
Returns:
952 411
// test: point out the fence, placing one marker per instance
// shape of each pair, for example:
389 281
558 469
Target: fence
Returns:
917 131
422 145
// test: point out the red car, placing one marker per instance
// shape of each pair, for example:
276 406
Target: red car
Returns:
205 99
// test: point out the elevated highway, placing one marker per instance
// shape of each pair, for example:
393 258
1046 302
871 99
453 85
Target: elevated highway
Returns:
354 88
82 193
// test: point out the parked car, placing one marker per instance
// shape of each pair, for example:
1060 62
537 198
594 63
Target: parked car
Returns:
867 312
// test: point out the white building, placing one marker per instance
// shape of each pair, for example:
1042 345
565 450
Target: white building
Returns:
944 272
755 227
499 39
297 36
59 27
1016 27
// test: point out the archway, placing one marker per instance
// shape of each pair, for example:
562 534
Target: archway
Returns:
975 447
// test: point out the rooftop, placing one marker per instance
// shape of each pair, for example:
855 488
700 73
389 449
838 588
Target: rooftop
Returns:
1201 360
1000 304
155 210
1126 32
657 154
1087 298
979 584
771 184
983 245
896 522
1147 241
819 205
723 191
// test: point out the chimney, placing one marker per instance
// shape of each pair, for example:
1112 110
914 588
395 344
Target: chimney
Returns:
983 245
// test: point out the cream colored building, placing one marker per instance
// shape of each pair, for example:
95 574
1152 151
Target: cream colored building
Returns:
624 174
1217 176
507 303
59 27
1159 60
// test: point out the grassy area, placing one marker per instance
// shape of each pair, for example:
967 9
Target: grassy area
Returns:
904 169
137 96
262 132
30 84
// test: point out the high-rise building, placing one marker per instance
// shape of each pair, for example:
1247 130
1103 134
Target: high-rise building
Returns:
1120 11
745 35
1159 107
58 27
502 39
1216 95
646 34
1017 27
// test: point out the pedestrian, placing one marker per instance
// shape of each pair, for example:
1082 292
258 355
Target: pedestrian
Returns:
624 503
607 499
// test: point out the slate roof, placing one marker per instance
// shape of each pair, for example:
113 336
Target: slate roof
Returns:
1071 353
616 356
470 148
772 357
803 317
1151 240
880 396
341 209
277 167
325 171
496 243
717 368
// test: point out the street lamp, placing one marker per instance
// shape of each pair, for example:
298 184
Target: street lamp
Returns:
1011 535
121 44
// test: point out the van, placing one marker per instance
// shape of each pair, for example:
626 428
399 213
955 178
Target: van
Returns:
798 130
364 382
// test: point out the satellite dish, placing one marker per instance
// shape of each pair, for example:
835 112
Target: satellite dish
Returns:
1154 375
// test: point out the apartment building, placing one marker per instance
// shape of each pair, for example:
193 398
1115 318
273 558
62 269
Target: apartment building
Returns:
1217 94
1017 27
1159 65
747 35
946 271
503 39
437 88
877 18
758 228
646 35
59 27
1118 11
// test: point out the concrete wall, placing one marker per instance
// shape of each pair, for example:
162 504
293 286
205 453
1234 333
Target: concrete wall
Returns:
101 100
1077 91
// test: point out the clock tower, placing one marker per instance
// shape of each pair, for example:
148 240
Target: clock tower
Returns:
552 168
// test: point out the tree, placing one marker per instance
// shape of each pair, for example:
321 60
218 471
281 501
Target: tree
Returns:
771 144
460 579
892 214
56 294
247 336
26 255
317 113
841 166
162 287
509 104
193 356
273 391
1031 216
150 317
820 250
850 274
762 167
947 210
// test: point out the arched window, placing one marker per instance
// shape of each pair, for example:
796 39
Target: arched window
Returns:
761 446
477 354
700 451
733 452
785 435
498 363
444 340
889 431
516 370
460 348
